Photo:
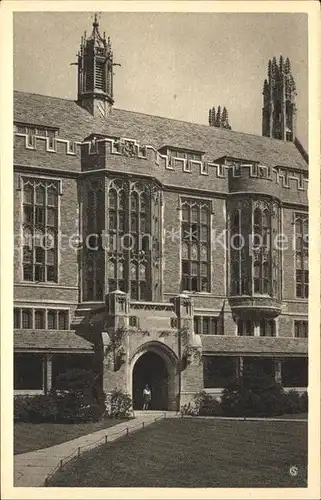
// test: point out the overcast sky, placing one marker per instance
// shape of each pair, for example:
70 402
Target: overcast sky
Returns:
174 65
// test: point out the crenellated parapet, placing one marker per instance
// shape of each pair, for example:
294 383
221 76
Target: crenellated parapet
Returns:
50 145
242 175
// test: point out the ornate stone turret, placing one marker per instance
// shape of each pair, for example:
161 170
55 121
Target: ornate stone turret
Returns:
95 73
279 109
219 119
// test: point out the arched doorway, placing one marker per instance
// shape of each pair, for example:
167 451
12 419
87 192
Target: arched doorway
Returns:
151 369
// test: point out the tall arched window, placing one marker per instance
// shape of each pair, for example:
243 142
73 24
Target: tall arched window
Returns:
40 230
302 255
129 210
95 257
238 278
195 241
262 265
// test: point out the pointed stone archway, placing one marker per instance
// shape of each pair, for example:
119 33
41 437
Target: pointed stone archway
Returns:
155 364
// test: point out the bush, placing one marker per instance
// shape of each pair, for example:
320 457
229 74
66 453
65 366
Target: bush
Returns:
76 400
76 379
304 402
255 395
20 408
208 406
293 402
190 409
118 405
203 404
42 408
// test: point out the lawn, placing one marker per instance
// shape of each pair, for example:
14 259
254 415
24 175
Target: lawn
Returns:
198 452
30 437
294 416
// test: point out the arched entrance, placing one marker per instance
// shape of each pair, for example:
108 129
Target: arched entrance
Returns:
150 368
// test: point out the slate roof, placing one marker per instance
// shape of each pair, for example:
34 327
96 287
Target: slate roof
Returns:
76 123
255 345
50 340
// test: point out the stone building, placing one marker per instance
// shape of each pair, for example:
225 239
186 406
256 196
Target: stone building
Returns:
153 250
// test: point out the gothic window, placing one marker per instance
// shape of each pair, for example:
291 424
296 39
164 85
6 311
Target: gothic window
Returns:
26 319
52 320
302 255
129 266
206 325
63 320
301 329
261 246
239 279
245 328
195 236
267 328
39 319
95 259
40 229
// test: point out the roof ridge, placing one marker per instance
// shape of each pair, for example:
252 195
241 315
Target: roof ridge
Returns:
222 130
44 95
208 127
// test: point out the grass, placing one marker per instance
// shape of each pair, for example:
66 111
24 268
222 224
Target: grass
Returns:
196 453
294 416
30 437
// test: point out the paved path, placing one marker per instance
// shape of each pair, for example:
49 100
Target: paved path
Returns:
32 468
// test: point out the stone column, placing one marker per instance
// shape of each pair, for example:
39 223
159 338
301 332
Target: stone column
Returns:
48 373
117 309
256 328
278 371
240 367
191 376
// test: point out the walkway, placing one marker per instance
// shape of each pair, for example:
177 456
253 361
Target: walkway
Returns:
32 468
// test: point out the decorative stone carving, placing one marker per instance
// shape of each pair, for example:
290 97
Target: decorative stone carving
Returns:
128 148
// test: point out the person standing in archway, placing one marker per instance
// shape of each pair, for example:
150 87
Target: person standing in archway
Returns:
147 397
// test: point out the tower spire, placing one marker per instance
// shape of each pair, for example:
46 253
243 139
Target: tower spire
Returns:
95 72
279 109
219 118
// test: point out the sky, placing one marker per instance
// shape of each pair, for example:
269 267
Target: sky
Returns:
176 65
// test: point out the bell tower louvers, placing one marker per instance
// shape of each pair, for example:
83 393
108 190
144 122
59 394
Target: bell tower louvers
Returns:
279 108
95 73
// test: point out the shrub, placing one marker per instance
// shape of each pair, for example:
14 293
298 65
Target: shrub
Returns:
76 379
190 409
203 404
118 404
21 406
76 398
292 402
304 402
255 395
208 406
42 408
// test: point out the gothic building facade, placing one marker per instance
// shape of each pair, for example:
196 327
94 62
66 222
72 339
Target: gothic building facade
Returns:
154 250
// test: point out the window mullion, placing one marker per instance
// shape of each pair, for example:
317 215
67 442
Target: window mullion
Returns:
33 231
45 233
